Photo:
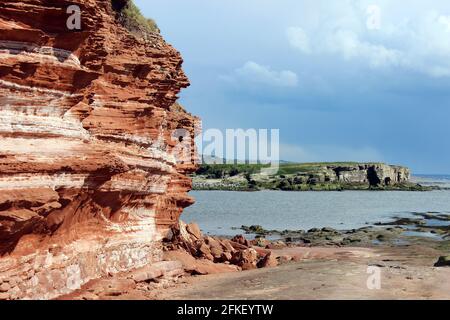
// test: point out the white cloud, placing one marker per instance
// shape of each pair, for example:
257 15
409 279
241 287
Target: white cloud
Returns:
445 20
382 36
348 44
253 73
298 39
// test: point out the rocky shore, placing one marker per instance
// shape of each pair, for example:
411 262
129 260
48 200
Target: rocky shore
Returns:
198 266
433 226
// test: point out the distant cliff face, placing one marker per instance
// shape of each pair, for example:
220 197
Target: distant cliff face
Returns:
372 174
89 181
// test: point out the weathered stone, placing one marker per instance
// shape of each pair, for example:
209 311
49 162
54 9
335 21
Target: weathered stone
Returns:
205 251
226 256
276 245
241 240
4 296
156 270
196 266
246 259
260 242
145 275
110 287
443 261
284 259
269 261
237 246
92 176
261 252
194 230
4 287
226 245
215 247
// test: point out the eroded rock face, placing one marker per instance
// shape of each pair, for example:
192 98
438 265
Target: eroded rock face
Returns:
92 174
373 174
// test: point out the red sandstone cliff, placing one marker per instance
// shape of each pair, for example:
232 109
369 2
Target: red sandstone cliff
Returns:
89 182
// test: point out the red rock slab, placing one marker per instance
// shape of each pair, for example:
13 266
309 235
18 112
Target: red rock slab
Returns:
198 266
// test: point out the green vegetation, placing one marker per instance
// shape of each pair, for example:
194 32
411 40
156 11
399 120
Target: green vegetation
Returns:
294 168
131 18
220 171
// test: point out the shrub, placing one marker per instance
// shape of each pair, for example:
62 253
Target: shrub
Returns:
131 18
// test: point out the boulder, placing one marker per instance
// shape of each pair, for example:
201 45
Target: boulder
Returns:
285 259
276 245
226 245
226 256
443 261
198 266
205 252
156 270
5 287
194 230
4 296
260 242
246 259
261 252
241 240
215 247
238 246
269 261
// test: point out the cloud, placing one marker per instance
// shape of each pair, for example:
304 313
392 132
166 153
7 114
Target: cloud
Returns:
377 36
328 153
445 20
256 74
298 39
350 46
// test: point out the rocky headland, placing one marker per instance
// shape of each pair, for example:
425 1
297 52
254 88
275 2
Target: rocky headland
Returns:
306 177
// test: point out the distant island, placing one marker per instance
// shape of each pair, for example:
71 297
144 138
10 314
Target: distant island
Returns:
333 176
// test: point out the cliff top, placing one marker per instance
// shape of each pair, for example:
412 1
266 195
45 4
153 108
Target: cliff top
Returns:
285 168
130 16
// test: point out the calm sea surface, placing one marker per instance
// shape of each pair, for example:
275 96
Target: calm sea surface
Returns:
218 212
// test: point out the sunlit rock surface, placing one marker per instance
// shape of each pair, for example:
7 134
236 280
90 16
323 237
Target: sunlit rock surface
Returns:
89 177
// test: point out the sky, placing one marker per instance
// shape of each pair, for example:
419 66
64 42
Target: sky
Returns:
347 80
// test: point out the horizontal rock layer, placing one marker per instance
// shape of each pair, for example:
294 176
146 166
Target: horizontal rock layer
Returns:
92 174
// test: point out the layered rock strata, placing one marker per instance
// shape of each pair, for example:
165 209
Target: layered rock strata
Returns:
94 151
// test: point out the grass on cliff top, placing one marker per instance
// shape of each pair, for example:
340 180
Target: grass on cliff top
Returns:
293 168
130 17
220 170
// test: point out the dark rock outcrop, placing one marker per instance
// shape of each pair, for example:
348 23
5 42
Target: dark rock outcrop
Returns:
443 261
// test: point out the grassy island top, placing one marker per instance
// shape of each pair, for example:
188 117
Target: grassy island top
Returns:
285 167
